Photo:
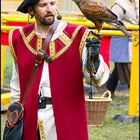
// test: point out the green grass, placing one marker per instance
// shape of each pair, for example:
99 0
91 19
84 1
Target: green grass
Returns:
111 129
3 119
7 68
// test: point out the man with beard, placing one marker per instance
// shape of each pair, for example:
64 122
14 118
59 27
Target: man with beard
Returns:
58 81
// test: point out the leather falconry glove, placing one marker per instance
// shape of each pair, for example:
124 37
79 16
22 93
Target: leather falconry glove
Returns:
93 50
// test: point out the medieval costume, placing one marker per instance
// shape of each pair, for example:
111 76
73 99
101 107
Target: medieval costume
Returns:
61 79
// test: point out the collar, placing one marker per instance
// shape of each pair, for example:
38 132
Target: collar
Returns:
58 31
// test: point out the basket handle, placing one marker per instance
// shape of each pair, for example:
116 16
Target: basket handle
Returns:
106 94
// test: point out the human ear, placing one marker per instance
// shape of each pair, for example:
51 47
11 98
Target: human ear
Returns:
30 11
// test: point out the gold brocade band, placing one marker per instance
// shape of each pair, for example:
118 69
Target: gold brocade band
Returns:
83 42
11 45
54 55
41 130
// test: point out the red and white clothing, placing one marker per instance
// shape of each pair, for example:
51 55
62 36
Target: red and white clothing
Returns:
60 79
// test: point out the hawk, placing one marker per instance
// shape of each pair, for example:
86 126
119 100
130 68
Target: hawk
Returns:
98 14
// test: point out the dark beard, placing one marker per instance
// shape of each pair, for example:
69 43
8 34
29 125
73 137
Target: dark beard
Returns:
47 22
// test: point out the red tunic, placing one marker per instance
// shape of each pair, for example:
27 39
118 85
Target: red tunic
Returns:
65 81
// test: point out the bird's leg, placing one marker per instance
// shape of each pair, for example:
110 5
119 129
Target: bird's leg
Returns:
97 35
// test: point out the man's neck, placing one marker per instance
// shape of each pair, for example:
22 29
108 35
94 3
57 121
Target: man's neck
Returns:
42 30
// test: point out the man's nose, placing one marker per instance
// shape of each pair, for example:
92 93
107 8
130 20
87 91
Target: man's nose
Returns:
48 7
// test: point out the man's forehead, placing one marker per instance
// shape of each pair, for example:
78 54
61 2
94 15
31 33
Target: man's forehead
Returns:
47 1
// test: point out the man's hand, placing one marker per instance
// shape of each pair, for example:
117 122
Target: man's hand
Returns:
93 46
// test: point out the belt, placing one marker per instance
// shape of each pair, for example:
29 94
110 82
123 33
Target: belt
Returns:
43 101
48 100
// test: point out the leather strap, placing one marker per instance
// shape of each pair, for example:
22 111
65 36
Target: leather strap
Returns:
41 55
48 100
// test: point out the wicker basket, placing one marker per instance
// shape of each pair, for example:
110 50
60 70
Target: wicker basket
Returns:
96 108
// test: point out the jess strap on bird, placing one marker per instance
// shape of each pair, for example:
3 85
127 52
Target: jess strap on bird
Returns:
15 113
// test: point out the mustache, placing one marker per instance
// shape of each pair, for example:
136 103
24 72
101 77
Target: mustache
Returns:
49 14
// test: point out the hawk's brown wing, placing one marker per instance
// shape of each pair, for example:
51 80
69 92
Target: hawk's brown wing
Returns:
98 14
97 11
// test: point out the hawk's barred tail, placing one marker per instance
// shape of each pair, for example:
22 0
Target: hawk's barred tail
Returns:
127 33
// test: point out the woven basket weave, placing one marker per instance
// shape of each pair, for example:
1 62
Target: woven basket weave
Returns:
96 108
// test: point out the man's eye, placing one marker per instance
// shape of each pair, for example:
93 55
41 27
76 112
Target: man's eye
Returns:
42 5
53 3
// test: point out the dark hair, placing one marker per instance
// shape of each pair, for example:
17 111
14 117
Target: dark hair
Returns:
32 5
26 4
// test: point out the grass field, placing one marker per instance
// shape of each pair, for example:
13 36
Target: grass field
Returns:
111 129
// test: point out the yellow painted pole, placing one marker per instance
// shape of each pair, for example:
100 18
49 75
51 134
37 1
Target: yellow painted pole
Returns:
2 64
102 32
133 109
74 20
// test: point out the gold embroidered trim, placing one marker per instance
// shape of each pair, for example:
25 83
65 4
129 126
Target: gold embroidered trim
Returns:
26 41
41 130
52 48
64 38
11 45
39 43
68 45
83 42
30 36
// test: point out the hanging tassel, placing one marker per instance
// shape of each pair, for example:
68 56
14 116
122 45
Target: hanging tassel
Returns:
89 67
90 92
